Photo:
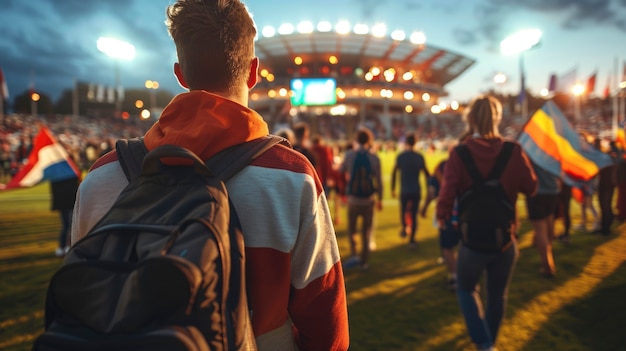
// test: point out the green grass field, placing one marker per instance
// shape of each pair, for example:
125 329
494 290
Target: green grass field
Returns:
400 303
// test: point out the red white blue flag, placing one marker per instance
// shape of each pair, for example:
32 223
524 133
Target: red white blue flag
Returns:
48 161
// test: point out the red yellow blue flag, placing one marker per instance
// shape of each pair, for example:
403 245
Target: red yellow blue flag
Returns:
551 143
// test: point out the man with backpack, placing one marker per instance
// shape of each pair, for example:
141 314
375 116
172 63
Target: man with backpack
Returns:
293 275
361 167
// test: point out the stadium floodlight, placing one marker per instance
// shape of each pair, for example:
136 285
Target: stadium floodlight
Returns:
379 30
268 31
398 35
518 43
116 48
418 38
286 29
521 41
499 78
361 28
324 26
305 27
343 27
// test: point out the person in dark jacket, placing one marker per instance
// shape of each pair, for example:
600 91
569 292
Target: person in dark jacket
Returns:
409 165
607 181
63 196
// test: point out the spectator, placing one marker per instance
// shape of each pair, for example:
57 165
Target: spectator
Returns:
302 144
323 156
563 212
448 234
293 266
362 205
484 144
607 180
541 208
409 165
63 196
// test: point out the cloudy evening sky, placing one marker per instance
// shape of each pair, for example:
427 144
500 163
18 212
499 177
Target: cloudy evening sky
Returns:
49 43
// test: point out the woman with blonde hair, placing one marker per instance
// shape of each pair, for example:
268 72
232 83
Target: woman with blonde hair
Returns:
475 158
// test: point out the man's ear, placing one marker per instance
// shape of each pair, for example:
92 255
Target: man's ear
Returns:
253 75
178 72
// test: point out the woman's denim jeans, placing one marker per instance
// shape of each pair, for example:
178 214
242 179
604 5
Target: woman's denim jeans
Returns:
483 327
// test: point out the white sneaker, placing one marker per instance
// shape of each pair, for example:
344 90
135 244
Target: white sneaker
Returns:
352 262
59 252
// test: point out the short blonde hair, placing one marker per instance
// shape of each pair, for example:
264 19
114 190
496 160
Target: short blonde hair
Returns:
483 115
214 42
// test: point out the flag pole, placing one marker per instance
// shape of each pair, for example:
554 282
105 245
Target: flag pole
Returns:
75 99
2 109
523 87
615 101
621 92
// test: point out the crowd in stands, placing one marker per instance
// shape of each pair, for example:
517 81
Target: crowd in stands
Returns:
86 139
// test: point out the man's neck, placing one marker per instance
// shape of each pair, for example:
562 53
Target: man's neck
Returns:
240 97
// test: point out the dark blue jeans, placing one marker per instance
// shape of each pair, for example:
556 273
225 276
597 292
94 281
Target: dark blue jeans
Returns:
66 222
483 326
409 204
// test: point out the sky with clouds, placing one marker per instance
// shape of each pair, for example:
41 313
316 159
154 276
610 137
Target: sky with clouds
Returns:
49 43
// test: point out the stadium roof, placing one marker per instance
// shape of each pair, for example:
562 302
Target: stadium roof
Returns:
434 65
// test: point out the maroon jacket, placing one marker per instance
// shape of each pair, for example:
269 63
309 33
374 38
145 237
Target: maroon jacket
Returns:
518 175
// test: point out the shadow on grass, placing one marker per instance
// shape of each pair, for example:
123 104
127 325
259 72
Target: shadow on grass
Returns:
401 302
595 322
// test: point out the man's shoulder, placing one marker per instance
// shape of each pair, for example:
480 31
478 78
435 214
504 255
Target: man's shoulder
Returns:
281 157
106 170
106 159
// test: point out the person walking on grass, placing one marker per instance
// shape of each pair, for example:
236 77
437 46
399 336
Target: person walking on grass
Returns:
607 181
563 212
449 234
296 288
361 168
541 209
62 197
408 166
482 143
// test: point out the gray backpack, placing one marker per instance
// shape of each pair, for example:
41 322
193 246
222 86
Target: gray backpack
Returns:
164 269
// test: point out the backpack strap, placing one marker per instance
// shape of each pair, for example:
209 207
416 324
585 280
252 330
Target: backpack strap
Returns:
225 164
468 161
501 161
130 153
496 171
230 161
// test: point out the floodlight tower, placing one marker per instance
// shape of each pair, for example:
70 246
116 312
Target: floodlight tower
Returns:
518 43
117 50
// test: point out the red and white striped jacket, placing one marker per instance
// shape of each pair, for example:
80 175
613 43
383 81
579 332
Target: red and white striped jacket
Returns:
294 275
